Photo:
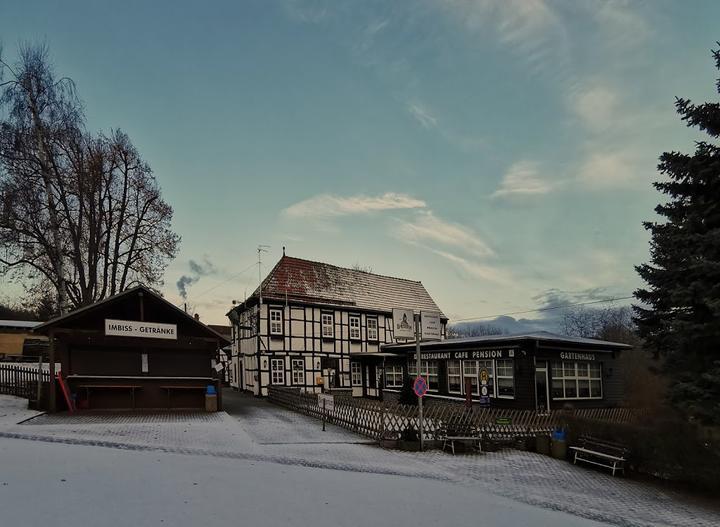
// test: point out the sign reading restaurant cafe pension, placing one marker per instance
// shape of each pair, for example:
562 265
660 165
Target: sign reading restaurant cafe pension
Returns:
475 354
135 328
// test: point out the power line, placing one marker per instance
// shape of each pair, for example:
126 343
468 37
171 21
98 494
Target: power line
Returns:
545 309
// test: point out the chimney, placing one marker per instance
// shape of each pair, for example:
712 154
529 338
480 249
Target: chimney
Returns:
197 317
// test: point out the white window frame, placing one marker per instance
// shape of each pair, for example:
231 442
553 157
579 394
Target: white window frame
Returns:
372 328
356 373
425 366
354 327
394 376
277 376
458 375
327 329
496 372
294 371
575 379
276 322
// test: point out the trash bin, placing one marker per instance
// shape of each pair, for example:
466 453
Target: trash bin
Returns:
558 448
210 399
542 445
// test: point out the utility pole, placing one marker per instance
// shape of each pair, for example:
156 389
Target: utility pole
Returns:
418 362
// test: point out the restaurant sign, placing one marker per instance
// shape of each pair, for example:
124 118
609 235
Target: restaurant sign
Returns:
135 328
462 355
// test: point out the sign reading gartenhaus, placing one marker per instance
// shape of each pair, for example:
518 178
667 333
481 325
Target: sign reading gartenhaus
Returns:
476 354
135 328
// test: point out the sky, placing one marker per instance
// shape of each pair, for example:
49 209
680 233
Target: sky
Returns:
502 151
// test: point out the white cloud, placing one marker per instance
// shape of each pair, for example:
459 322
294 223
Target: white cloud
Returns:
422 115
603 170
596 107
522 179
475 269
531 28
428 228
327 205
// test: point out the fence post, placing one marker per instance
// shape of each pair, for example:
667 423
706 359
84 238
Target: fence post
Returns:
16 382
39 381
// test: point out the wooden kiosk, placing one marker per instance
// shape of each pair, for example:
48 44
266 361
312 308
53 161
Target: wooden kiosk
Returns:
134 350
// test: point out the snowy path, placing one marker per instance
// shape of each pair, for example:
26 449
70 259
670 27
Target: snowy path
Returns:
266 435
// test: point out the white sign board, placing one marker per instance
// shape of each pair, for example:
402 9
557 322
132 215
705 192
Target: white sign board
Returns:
431 326
135 328
327 400
403 323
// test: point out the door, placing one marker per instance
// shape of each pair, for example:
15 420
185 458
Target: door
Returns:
542 387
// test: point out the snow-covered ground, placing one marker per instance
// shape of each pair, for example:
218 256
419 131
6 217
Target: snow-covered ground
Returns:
259 444
46 484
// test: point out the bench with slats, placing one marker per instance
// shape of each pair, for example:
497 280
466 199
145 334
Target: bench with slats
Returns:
464 432
601 453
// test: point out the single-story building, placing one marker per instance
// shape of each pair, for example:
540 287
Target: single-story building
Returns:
17 343
133 350
537 370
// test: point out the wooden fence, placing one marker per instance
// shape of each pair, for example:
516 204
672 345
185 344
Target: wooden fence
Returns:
20 379
376 419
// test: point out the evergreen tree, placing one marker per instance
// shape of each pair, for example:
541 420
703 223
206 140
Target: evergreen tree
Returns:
680 313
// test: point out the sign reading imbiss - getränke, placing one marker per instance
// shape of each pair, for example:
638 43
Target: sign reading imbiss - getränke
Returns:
135 328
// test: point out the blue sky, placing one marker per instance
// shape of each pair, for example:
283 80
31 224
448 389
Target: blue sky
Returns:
502 152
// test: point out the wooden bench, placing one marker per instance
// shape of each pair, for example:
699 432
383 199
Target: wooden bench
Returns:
601 453
130 387
465 432
169 389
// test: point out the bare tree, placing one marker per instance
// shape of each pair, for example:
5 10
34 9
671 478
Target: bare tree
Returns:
611 323
41 112
474 330
81 212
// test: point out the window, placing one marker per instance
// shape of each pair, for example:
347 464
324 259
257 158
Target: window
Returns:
372 329
504 371
354 327
277 371
328 326
454 376
378 377
429 372
298 371
393 377
356 373
276 323
576 380
470 372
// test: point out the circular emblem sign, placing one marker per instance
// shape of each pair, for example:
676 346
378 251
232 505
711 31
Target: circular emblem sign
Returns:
484 391
484 376
420 387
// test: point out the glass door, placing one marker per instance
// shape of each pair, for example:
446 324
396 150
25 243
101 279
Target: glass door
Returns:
542 396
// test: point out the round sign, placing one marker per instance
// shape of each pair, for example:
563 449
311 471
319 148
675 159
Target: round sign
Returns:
420 386
484 376
484 391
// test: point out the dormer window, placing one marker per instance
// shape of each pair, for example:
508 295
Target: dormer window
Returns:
276 322
328 326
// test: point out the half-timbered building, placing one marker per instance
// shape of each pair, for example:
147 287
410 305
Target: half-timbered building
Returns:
301 326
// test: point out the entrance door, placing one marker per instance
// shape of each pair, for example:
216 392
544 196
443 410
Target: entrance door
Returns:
542 387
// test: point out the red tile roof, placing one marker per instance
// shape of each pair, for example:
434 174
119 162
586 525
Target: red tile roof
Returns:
323 283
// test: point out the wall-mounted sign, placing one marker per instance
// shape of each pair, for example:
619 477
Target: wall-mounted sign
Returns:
135 328
565 355
431 326
326 402
403 323
462 355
